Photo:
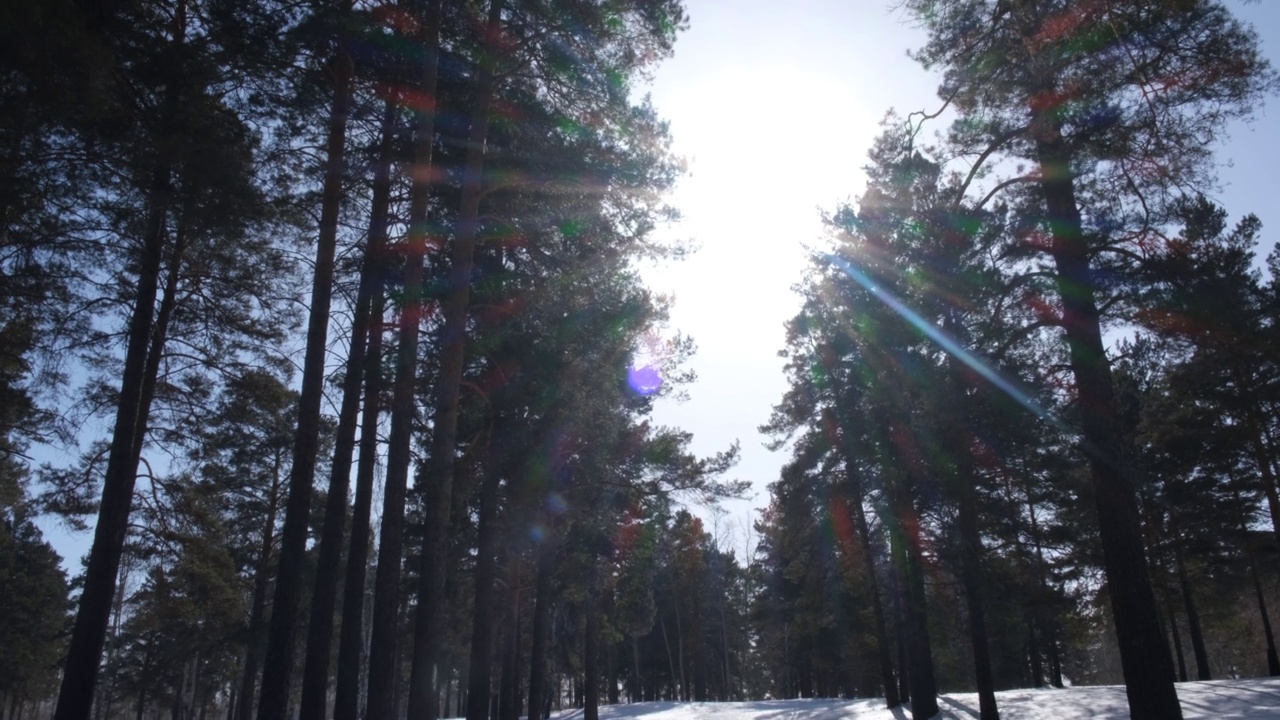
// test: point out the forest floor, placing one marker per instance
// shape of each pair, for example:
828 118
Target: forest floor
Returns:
1251 699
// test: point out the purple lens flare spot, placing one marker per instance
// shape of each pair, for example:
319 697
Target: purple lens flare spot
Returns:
644 380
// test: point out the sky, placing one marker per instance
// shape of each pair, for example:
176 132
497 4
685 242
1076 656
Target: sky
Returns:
774 105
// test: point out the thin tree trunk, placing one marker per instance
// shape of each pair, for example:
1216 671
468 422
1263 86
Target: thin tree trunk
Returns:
634 693
684 681
900 624
390 549
479 679
1050 624
725 694
278 664
1033 651
315 673
590 664
509 707
671 664
891 695
855 505
924 687
1273 661
350 640
258 605
1177 643
964 484
75 695
441 467
541 618
1261 459
1055 659
610 675
1193 615
104 703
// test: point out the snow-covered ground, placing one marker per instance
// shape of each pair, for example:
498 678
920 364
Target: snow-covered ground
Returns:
1219 699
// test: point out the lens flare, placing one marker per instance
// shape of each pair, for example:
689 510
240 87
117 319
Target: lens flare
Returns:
644 379
945 341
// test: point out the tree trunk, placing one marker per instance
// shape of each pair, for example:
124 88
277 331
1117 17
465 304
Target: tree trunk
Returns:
924 687
726 694
441 466
258 606
278 664
964 489
900 624
1048 620
684 682
1144 656
509 707
479 680
855 506
611 675
1055 660
541 619
891 695
1273 661
1033 652
382 667
634 693
671 663
1262 460
590 667
315 673
75 695
1177 643
350 640
1193 615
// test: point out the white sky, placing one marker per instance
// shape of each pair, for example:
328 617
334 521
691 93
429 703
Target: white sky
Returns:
775 105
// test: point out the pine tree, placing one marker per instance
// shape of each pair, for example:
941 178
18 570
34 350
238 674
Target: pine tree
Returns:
1108 140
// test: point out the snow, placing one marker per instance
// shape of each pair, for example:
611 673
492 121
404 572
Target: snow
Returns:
1220 699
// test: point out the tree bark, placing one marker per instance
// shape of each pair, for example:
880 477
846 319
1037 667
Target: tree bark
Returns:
900 624
278 664
441 465
350 640
1273 660
541 619
964 488
924 686
590 665
382 666
75 695
889 684
479 680
258 606
509 707
315 673
1193 615
1033 651
1144 656
1262 460
1177 643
